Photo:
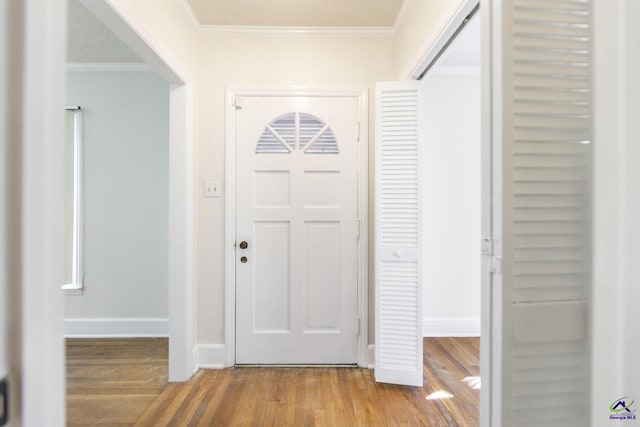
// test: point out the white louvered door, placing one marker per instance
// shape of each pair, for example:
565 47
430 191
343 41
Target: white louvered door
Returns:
296 278
398 338
541 142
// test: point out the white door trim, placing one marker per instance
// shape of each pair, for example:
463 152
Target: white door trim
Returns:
433 46
230 204
34 35
490 344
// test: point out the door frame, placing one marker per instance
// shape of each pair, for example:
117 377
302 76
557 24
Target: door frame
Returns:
491 176
123 21
230 205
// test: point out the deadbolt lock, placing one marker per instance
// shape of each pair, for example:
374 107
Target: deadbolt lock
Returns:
243 259
244 245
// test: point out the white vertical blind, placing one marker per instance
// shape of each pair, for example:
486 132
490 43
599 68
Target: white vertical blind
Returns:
398 357
74 201
546 238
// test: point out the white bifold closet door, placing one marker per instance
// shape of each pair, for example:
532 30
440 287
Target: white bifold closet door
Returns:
540 109
537 218
398 321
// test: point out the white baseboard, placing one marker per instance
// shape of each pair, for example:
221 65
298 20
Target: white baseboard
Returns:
211 356
451 327
116 328
371 356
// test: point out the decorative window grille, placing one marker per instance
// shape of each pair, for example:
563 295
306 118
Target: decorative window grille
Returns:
297 131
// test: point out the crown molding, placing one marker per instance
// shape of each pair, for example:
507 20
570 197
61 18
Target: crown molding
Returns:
190 14
401 17
119 67
266 31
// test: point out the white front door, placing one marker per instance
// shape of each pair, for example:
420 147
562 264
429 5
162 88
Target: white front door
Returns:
296 230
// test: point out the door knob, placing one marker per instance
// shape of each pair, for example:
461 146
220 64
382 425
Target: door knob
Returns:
244 245
243 259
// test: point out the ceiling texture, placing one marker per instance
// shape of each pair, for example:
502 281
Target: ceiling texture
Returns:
89 40
296 13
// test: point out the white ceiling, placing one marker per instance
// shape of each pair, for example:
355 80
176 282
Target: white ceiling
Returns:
297 13
88 40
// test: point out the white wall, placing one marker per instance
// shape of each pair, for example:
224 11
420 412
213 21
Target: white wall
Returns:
616 271
452 204
126 145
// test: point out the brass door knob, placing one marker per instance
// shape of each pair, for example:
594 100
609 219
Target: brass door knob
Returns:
243 259
244 245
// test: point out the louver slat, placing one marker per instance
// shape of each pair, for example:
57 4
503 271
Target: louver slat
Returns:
398 357
279 136
547 139
310 134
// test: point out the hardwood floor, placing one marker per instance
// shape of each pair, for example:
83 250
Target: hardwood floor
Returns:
124 383
112 382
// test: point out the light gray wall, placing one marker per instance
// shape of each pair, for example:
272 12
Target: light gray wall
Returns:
126 134
452 204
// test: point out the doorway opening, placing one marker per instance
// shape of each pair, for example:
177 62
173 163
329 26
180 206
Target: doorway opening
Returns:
123 186
452 188
452 205
166 152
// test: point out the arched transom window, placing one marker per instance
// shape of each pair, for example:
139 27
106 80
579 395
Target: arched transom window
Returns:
297 131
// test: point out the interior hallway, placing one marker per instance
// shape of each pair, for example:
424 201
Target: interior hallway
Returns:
124 383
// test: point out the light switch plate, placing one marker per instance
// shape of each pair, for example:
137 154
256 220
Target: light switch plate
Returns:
212 188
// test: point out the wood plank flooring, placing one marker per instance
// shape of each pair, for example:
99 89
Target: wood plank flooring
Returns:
112 382
123 383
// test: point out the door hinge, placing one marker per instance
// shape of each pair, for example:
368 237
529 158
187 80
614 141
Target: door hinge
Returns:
359 131
357 228
237 102
492 254
358 326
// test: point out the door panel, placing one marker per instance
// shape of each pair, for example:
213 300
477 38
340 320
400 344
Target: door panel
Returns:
398 239
322 275
272 283
540 280
297 210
